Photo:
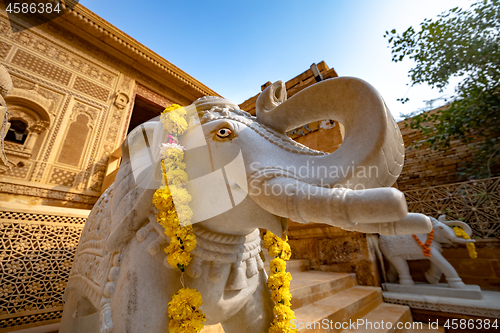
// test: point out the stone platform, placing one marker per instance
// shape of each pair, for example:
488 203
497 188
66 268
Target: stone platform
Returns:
439 289
488 307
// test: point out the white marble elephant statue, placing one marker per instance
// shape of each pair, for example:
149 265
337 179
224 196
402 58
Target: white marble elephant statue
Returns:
399 249
120 282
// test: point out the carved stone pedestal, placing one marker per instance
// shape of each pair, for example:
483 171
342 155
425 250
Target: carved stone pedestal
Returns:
487 307
440 290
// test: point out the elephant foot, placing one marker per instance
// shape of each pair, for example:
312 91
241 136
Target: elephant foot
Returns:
456 283
406 281
431 278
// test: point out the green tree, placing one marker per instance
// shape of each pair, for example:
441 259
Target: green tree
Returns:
464 44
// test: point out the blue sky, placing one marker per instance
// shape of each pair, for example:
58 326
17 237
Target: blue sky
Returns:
235 46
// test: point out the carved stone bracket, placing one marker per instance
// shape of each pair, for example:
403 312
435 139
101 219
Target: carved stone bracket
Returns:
121 100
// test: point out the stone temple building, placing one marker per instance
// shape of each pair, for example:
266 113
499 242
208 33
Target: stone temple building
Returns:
80 85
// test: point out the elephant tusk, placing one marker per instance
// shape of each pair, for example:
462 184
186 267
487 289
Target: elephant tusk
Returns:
372 210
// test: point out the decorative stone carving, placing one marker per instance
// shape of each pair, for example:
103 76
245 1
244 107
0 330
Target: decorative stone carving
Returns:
5 88
121 100
399 249
39 244
120 281
34 100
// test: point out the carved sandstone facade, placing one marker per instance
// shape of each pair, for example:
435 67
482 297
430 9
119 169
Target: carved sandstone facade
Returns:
72 103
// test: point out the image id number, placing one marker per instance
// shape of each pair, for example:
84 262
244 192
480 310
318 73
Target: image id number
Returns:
471 324
38 8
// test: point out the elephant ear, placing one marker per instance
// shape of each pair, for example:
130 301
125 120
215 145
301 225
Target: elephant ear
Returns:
372 137
442 218
463 225
134 186
460 224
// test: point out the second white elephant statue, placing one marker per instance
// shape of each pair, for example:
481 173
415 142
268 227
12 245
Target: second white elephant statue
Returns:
399 249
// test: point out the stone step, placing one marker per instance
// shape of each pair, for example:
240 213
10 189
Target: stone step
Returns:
351 304
385 318
309 287
296 265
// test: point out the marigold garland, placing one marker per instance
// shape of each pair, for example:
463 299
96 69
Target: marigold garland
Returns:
279 283
426 248
174 215
471 247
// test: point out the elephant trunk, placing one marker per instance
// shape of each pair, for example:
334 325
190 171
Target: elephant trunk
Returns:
463 241
372 141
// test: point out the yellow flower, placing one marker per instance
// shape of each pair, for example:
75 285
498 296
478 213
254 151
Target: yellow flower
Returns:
180 196
162 198
471 247
174 123
277 265
286 253
183 311
172 107
176 177
283 313
279 280
282 295
173 155
179 259
269 239
185 215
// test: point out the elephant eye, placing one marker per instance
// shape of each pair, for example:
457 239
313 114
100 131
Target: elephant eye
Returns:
223 132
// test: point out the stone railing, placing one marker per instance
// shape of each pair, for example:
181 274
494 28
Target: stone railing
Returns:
37 246
476 202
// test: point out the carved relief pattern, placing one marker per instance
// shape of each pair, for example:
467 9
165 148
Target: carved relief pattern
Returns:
97 177
36 253
434 306
112 133
126 83
4 49
91 89
122 67
91 259
41 67
152 96
40 45
23 84
477 202
15 71
46 193
19 172
82 108
49 144
85 176
62 177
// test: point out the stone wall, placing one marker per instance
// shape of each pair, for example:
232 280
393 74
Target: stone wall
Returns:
331 249
429 167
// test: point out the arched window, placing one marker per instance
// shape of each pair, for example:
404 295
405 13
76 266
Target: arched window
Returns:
18 132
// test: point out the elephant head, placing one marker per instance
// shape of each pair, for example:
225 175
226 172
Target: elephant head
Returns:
444 233
246 168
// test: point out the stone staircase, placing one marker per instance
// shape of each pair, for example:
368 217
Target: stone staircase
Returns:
326 300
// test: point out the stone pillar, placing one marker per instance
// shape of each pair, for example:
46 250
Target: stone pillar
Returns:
34 131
